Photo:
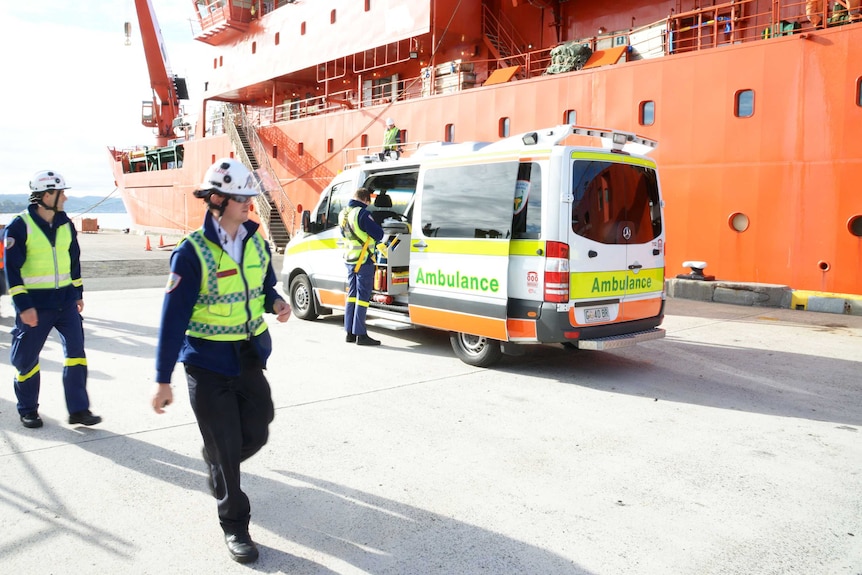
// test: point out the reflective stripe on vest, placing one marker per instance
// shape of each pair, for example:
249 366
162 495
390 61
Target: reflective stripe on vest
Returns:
230 303
356 238
47 266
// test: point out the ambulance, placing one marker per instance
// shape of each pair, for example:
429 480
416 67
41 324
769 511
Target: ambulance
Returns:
534 239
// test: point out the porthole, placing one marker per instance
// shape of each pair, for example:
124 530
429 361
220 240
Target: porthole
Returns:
738 222
854 224
744 104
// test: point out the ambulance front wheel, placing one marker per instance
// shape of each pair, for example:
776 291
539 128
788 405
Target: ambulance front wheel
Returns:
475 350
302 298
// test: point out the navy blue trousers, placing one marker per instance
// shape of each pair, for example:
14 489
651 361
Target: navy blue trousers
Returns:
27 343
359 286
233 415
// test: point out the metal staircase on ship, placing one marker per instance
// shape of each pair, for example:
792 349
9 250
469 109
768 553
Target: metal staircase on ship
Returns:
273 201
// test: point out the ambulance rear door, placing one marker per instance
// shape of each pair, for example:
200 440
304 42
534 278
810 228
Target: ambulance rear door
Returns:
462 226
616 239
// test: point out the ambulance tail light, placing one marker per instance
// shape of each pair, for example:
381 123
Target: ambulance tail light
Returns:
556 272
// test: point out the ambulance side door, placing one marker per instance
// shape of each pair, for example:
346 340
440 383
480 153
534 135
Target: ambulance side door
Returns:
459 252
325 264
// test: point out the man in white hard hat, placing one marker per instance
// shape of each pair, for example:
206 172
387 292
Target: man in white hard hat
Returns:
391 140
43 269
221 283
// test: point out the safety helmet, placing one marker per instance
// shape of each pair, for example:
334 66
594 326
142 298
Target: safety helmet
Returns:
47 181
390 122
229 177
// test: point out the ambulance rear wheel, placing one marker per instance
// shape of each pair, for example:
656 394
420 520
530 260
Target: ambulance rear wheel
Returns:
302 298
475 350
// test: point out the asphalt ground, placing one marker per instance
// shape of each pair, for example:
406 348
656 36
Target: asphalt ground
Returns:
732 446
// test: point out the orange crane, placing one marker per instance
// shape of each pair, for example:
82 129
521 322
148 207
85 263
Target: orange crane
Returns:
163 110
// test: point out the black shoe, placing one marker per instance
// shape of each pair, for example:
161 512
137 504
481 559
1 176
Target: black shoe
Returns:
350 338
365 339
241 548
210 484
31 420
84 418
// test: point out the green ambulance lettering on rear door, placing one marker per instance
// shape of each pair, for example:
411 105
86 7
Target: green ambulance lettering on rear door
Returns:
586 285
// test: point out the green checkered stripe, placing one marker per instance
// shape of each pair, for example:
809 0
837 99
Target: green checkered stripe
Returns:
197 238
236 297
207 329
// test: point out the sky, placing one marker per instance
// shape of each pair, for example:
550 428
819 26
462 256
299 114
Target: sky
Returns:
71 88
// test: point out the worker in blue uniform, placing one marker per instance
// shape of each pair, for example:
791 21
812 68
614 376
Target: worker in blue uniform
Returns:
43 272
362 234
220 285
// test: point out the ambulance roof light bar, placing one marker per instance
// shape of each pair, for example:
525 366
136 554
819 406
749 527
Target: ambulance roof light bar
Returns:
617 140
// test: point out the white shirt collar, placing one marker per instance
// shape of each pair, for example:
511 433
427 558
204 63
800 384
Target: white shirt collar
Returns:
233 247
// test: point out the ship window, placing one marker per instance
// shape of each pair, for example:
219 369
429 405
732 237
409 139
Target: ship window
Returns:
254 47
855 226
744 107
332 17
275 150
449 136
300 149
364 141
503 128
302 29
859 92
647 113
277 38
220 61
329 146
367 5
570 117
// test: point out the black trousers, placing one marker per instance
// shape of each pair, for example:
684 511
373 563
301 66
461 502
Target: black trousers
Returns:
233 415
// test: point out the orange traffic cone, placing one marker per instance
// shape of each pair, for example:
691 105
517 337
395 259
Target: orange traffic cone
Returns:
148 248
161 242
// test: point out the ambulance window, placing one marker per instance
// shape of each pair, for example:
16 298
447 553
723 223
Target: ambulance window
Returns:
527 219
469 201
610 198
338 199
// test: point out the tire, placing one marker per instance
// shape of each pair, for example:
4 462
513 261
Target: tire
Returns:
475 350
302 298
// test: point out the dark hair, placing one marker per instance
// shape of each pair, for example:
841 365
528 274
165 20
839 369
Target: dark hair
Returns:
363 195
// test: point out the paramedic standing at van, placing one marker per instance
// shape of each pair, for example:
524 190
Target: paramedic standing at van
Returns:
362 234
221 284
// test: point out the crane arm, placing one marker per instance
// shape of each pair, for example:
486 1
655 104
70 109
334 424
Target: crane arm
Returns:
166 105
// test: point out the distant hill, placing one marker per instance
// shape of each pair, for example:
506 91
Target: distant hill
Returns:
15 203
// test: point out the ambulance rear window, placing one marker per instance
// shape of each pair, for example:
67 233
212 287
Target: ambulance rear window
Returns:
615 200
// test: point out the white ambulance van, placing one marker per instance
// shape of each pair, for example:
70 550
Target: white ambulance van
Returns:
517 242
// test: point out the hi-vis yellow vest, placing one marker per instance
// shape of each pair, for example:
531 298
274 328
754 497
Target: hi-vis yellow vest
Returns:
357 240
46 266
230 304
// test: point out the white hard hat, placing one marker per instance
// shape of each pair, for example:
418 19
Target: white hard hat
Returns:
390 122
230 177
46 181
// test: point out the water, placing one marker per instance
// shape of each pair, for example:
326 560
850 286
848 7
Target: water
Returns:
108 221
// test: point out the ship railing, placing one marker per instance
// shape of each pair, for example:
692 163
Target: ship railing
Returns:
353 157
742 21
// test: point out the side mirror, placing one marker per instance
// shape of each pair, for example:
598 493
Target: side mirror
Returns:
306 222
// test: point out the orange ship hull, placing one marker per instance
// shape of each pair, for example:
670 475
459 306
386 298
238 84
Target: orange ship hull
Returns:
771 198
